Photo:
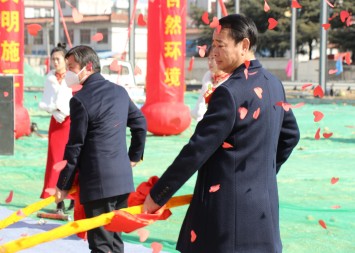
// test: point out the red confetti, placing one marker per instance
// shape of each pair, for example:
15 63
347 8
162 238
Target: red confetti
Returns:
347 58
326 26
6 94
327 135
272 23
141 21
334 180
143 234
334 15
218 29
9 198
348 21
344 15
20 213
60 165
137 70
322 223
205 18
202 50
252 73
285 106
332 71
33 29
226 145
247 63
295 4
50 191
157 247
317 135
214 23
97 37
77 16
318 91
246 73
266 7
243 112
256 113
298 105
193 236
215 188
114 66
306 85
336 207
191 63
259 92
318 116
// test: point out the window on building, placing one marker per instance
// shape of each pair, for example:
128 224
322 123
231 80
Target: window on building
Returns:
104 32
71 35
51 37
38 40
26 38
85 36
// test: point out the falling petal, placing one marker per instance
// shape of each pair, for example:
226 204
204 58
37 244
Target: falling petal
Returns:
334 15
322 223
348 21
252 73
272 23
77 16
60 165
327 135
306 85
326 26
259 92
9 198
50 191
295 4
317 135
6 94
20 213
143 234
243 112
157 247
215 188
344 15
318 92
318 116
298 105
226 145
33 29
97 37
266 7
137 70
347 58
329 4
218 29
205 18
336 207
246 73
24 234
332 71
193 236
256 113
214 23
114 66
334 180
247 63
202 50
141 21
191 63
285 106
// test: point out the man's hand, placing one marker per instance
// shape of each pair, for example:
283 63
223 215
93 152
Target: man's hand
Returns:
133 164
149 205
58 116
60 195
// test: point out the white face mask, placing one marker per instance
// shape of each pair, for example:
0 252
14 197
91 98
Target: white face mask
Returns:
72 78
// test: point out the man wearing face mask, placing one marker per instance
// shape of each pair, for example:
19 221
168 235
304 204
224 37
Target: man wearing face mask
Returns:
96 149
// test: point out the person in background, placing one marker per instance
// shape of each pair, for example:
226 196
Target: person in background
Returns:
55 100
237 148
97 150
210 81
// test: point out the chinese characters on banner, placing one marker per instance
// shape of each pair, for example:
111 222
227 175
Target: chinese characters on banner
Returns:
164 108
11 43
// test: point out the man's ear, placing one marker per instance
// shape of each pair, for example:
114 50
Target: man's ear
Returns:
89 67
246 44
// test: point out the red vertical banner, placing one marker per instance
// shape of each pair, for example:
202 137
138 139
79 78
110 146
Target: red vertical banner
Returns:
12 54
164 109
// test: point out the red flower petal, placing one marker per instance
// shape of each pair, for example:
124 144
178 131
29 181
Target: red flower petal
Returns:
205 18
322 223
97 37
329 4
114 66
306 85
332 71
285 106
259 92
218 29
6 94
344 15
247 63
141 21
326 26
295 4
9 198
137 70
317 135
243 112
77 16
157 247
347 58
318 116
246 73
334 180
191 63
33 29
256 113
272 23
215 188
193 236
143 234
327 135
60 165
202 50
20 213
266 7
318 91
336 207
298 105
226 145
214 23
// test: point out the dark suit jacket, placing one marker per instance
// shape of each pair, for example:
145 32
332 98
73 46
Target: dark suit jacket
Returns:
242 216
100 113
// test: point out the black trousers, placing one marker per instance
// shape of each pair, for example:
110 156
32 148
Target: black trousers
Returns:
100 240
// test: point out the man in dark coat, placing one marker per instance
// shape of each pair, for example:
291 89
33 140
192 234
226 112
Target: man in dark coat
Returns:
237 149
100 113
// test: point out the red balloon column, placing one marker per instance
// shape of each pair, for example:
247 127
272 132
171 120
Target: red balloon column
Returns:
12 55
164 108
